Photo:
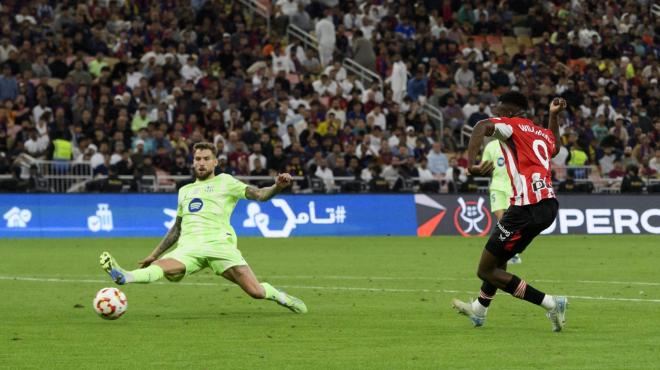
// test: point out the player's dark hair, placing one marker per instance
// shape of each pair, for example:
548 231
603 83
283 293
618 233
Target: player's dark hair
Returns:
204 146
514 98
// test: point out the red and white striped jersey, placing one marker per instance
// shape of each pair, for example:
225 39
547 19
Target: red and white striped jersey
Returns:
527 150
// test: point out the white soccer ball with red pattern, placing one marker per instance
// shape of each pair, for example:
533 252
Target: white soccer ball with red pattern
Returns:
110 303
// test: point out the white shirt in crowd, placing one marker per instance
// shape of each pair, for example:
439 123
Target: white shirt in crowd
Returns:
191 72
425 175
283 63
288 7
256 157
96 160
325 174
35 147
379 119
327 88
340 114
479 55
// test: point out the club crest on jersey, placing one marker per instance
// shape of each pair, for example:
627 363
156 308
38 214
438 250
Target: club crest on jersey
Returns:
500 161
195 205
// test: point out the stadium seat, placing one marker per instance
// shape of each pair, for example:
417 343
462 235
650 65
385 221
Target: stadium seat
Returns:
494 40
508 40
522 31
525 40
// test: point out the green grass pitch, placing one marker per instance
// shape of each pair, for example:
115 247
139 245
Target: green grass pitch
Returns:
375 303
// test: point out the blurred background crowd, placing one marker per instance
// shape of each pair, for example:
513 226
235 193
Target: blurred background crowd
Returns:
126 87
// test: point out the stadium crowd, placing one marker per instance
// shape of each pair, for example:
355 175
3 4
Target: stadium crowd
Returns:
130 85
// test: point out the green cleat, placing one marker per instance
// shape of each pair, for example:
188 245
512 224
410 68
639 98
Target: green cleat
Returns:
294 304
112 268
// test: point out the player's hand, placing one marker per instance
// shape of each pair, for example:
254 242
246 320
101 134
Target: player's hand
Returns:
283 180
557 105
146 262
484 168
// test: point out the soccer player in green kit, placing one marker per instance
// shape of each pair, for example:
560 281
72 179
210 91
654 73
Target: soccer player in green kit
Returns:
204 236
500 185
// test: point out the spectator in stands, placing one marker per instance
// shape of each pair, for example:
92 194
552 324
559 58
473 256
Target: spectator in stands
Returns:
301 18
618 171
37 146
437 162
654 163
455 175
464 76
631 182
325 35
398 79
8 84
256 156
606 162
363 50
324 173
418 85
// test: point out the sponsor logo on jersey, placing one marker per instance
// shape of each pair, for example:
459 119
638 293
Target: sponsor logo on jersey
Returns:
195 205
539 184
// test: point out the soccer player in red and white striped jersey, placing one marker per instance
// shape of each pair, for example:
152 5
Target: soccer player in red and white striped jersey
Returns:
527 150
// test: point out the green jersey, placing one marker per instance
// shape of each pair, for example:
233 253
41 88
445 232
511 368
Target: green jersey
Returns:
205 208
500 178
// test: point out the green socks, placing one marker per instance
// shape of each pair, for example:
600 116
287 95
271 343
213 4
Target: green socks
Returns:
145 275
273 294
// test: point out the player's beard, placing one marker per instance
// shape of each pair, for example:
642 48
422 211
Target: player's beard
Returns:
203 177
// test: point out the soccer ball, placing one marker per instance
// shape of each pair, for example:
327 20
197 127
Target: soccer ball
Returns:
110 303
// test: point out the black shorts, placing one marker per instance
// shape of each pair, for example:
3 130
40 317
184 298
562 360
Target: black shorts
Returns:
519 225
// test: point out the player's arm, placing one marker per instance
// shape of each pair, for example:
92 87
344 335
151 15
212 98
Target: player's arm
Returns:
283 181
556 106
168 241
481 129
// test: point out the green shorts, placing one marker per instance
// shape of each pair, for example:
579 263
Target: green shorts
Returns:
196 259
499 200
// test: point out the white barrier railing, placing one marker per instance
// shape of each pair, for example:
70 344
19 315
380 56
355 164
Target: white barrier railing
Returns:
259 8
364 74
72 177
306 38
435 114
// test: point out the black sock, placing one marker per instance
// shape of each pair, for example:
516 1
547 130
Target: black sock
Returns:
487 293
519 289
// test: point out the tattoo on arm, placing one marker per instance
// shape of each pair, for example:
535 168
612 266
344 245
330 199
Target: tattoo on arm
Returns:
170 238
261 194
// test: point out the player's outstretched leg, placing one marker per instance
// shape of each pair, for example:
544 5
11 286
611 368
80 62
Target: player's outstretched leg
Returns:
112 268
244 277
476 310
121 276
490 271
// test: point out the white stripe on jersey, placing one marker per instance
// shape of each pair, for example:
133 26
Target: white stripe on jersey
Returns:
515 180
525 192
502 131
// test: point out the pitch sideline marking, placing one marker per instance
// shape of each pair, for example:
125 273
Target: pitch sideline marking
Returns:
388 290
395 278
